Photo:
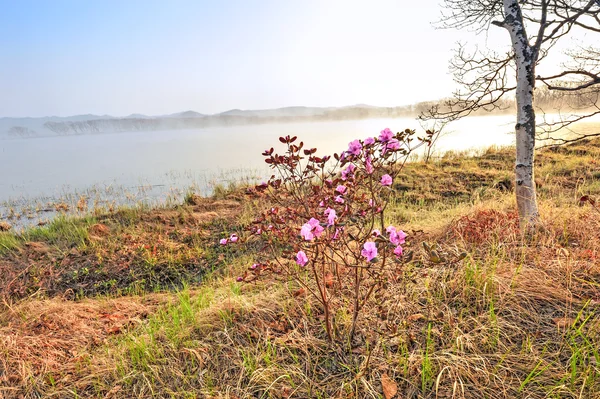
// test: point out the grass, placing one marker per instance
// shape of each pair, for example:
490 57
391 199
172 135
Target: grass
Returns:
143 303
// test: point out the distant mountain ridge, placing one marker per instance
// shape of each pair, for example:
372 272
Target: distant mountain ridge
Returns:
97 124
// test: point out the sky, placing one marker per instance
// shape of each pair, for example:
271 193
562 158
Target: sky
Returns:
160 57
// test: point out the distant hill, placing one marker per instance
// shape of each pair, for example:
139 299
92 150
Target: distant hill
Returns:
98 124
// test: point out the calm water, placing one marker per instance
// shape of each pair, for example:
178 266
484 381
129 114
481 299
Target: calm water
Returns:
153 165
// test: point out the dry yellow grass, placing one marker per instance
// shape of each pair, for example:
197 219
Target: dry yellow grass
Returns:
519 317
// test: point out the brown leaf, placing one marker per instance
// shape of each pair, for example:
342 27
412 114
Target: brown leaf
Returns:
390 388
329 280
415 317
113 330
111 317
299 292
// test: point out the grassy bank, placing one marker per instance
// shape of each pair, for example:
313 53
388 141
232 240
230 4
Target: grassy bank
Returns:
144 303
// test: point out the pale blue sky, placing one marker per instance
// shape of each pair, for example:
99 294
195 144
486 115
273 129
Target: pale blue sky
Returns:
158 57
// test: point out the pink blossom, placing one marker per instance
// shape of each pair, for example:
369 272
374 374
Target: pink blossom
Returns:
354 147
318 230
376 232
402 236
233 238
306 232
397 237
322 204
386 180
239 279
301 258
339 199
336 235
348 172
393 144
369 140
311 229
223 241
385 135
341 189
259 231
369 165
398 251
331 216
389 229
254 266
369 251
371 203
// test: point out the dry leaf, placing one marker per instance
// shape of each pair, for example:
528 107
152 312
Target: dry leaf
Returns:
415 317
329 280
113 330
299 292
390 388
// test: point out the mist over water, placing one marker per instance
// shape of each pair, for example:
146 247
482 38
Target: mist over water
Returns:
53 166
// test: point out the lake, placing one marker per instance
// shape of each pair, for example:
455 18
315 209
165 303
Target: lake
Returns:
158 165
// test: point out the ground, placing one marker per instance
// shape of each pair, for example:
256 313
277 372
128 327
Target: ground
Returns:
144 303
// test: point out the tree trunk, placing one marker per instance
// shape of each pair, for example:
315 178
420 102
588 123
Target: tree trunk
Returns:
525 127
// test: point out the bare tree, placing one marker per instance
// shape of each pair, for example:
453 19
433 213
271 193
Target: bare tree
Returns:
488 79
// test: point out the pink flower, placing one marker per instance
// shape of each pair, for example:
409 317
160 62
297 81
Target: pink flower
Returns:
386 180
311 229
371 203
389 229
354 147
301 258
223 241
254 266
239 279
393 144
233 238
339 199
369 165
397 237
369 251
337 234
259 231
369 140
322 204
331 216
318 230
401 236
341 189
306 232
376 233
348 172
385 135
398 251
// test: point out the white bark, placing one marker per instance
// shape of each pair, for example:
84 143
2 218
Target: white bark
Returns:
525 127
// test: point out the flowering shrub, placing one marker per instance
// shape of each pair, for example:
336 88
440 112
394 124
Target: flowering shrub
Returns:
324 228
